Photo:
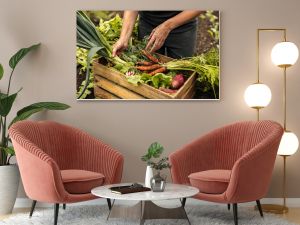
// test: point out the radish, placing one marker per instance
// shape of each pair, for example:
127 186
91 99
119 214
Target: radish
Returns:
177 81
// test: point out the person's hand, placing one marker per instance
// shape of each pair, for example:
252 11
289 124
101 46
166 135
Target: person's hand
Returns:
119 46
157 37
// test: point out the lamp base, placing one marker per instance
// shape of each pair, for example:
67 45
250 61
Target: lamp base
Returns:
276 209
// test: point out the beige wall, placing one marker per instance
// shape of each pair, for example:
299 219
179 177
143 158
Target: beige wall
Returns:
49 74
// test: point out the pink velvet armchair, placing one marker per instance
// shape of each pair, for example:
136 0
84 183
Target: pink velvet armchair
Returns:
60 164
231 165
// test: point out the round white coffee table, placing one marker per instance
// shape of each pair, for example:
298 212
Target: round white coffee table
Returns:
145 209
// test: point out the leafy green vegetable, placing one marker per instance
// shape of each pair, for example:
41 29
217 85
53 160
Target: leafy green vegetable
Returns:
205 65
131 54
81 58
111 29
123 68
211 57
135 79
157 81
160 80
96 15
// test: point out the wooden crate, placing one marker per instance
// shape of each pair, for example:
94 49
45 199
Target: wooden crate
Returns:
111 84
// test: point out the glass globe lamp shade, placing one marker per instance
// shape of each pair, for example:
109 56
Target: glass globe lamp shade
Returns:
257 95
289 144
284 54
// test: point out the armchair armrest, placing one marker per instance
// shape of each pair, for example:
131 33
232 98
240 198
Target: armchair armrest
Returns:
251 174
40 174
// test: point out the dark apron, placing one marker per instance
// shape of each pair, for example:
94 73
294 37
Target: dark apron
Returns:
178 44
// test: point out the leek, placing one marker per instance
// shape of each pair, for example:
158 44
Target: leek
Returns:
91 39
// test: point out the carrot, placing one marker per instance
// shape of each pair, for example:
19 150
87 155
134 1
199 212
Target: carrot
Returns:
159 70
148 68
149 56
144 63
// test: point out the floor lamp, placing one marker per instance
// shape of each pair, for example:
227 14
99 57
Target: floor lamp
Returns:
284 55
258 95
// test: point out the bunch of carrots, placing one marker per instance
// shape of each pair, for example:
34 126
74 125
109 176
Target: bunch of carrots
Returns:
151 67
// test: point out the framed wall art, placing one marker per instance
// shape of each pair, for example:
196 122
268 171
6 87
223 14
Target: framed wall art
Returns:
148 55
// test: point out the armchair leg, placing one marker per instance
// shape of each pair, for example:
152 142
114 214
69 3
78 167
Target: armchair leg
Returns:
108 203
228 206
183 202
64 206
32 208
56 209
259 208
235 213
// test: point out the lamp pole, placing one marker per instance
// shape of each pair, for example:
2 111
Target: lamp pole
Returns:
258 58
284 182
285 209
271 207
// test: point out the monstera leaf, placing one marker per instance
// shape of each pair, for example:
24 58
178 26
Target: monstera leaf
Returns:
154 151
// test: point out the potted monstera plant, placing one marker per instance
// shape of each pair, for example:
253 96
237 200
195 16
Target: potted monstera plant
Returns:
9 173
152 157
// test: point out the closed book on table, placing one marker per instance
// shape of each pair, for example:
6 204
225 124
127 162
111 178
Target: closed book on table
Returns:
128 189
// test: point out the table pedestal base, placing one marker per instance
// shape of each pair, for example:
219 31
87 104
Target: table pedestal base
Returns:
147 210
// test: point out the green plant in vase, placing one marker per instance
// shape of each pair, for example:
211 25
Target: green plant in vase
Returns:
156 182
9 174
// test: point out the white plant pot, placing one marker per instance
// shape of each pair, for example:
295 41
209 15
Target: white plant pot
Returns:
148 176
9 183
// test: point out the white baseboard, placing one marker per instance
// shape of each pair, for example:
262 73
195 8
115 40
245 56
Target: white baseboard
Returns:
291 202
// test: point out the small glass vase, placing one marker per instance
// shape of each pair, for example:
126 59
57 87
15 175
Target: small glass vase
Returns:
158 182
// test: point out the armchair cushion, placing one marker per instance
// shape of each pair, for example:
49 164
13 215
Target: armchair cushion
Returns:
211 181
81 181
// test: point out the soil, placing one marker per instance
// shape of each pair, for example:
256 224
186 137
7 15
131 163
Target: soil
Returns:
205 41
